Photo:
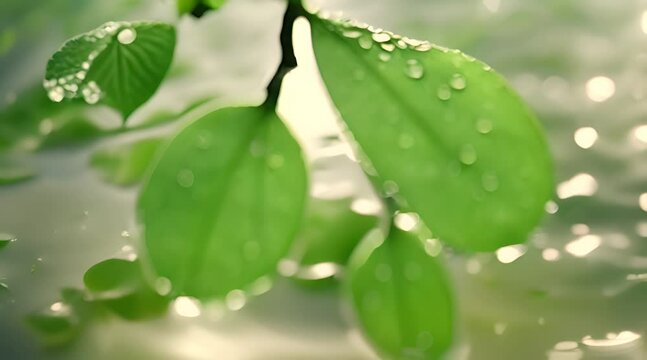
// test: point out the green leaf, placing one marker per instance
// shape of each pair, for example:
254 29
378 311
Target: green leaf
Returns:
119 64
125 164
14 175
400 296
224 202
442 130
330 233
120 286
55 329
5 240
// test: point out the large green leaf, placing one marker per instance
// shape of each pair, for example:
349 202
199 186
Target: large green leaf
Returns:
224 202
401 296
119 64
442 130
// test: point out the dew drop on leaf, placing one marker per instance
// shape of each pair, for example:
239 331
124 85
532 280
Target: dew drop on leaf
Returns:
56 94
235 300
365 42
185 178
390 188
458 82
490 182
388 47
384 57
381 37
484 126
468 154
444 93
352 34
414 69
127 36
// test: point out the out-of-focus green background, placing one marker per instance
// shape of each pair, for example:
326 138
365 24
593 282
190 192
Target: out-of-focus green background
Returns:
578 289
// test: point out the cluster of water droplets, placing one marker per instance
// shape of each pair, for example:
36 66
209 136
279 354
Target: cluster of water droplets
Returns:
74 84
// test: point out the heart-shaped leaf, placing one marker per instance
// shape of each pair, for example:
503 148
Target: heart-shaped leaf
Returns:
224 202
443 132
120 64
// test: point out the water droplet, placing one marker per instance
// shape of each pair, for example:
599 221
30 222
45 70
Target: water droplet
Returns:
390 188
433 247
381 37
484 126
127 36
352 34
186 307
287 267
111 27
468 154
365 42
406 141
384 57
275 161
383 272
163 286
262 285
235 300
406 221
125 234
424 47
551 207
490 181
509 254
388 47
85 65
458 82
414 69
444 93
185 178
91 93
56 94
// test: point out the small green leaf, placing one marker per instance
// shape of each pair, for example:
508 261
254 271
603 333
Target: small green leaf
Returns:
55 330
330 233
5 240
125 164
224 202
119 285
443 132
401 297
119 64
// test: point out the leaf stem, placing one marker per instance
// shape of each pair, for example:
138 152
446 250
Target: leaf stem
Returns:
288 59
